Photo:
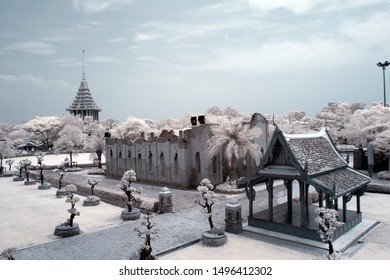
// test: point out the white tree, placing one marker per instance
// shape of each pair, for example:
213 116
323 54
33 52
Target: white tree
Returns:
366 124
45 128
334 116
327 224
131 130
71 141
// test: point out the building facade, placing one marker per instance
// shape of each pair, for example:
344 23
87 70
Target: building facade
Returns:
180 160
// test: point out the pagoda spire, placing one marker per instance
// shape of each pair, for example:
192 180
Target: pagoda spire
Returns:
83 105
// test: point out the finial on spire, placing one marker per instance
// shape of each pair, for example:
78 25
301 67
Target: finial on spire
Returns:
83 61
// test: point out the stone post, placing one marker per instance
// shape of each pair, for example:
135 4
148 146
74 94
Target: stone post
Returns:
165 201
233 217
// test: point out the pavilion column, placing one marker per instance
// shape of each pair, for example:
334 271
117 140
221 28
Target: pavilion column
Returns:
288 185
345 200
302 199
320 199
251 198
307 194
358 210
328 204
270 190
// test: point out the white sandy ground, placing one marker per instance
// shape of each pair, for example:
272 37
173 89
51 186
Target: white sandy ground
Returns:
28 217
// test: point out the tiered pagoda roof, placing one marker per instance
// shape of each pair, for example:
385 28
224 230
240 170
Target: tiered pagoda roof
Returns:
83 99
314 158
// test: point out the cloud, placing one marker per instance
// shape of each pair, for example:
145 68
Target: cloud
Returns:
59 38
277 57
64 62
117 40
104 59
297 6
31 80
34 47
97 6
141 37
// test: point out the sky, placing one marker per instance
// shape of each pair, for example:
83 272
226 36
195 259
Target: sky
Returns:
156 60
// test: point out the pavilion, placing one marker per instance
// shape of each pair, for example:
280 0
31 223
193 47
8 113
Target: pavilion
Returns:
314 162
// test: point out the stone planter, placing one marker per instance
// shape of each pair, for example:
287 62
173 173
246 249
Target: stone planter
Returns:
62 192
18 179
213 240
136 255
91 200
44 186
133 215
64 230
30 182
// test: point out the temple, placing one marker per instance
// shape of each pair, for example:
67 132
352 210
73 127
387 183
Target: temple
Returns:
307 162
83 104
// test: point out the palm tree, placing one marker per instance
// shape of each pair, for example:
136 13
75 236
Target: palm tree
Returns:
235 140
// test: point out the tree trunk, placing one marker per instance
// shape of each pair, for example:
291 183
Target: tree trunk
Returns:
330 247
211 222
233 168
99 157
71 160
71 220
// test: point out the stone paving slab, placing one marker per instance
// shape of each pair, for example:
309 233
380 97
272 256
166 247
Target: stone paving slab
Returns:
118 242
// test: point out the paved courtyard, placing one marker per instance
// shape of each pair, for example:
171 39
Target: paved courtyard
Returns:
181 230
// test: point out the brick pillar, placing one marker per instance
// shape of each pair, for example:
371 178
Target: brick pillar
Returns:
233 217
165 201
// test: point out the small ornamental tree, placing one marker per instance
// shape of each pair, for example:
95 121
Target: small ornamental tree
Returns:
26 165
129 177
150 232
40 156
327 224
205 187
9 162
92 199
61 173
9 253
93 182
72 200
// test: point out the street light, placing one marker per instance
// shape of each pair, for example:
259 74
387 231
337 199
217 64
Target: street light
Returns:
384 65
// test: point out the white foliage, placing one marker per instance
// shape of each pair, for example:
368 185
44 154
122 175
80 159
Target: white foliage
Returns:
71 140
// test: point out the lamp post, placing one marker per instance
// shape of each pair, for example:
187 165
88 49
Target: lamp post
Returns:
383 66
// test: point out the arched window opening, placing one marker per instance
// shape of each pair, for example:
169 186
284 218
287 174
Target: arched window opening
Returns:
162 163
197 162
150 161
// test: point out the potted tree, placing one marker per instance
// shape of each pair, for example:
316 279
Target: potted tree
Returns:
215 236
129 212
327 224
92 200
26 165
69 228
42 186
61 171
10 162
19 167
148 233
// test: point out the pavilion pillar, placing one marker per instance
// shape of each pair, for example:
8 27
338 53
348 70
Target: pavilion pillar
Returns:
336 204
358 210
345 200
270 190
288 185
251 198
320 199
302 199
328 204
307 194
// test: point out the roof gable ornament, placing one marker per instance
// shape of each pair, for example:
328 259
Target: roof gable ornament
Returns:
279 152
